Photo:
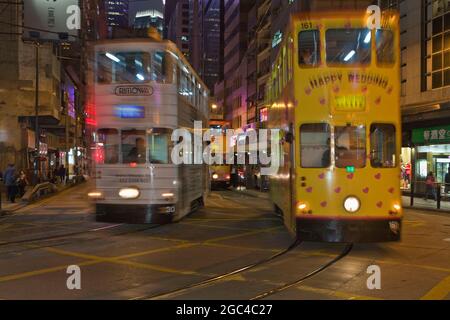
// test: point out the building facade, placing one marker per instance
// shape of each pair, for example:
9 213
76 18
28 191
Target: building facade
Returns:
149 18
117 12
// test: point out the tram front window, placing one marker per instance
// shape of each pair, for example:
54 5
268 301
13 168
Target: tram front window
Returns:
109 142
315 145
309 48
133 146
348 46
134 67
382 146
159 146
350 146
385 46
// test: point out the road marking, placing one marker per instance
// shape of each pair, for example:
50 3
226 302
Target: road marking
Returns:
22 275
243 234
143 253
448 239
439 291
338 294
108 227
118 261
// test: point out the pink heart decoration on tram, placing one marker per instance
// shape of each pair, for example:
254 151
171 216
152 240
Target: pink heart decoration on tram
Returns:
366 190
378 101
390 89
380 204
322 176
336 89
309 190
391 190
308 91
322 101
350 176
378 176
324 204
364 89
338 190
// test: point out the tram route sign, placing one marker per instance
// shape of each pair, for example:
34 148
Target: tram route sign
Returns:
133 91
440 134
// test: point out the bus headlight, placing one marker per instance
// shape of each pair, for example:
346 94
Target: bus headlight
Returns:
215 176
352 204
129 193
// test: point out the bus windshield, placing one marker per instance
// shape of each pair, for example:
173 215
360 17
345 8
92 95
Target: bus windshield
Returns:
348 46
134 67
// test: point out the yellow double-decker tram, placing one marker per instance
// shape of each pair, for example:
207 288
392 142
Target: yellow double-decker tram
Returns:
334 93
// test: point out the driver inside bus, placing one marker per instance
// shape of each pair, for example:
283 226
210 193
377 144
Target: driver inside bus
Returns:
137 153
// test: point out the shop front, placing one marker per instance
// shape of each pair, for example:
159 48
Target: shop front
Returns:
430 153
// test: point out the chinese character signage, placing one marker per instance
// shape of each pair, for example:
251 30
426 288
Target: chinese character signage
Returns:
434 135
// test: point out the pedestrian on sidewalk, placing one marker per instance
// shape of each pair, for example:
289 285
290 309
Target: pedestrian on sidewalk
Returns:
62 174
10 182
430 186
22 182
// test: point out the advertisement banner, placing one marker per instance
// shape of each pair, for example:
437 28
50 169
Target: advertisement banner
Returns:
53 20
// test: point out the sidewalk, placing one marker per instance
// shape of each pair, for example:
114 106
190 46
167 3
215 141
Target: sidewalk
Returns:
7 207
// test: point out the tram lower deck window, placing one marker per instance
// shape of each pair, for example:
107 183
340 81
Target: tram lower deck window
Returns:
108 146
133 146
382 145
350 146
315 149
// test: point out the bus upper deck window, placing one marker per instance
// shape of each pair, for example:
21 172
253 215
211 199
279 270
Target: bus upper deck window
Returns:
385 46
348 46
315 145
309 48
382 145
350 146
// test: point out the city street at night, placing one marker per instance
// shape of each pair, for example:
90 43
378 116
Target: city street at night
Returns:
234 230
224 158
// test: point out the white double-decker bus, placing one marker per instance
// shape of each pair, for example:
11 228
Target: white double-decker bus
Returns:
139 91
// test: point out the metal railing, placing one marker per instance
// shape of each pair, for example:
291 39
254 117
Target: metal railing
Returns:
439 191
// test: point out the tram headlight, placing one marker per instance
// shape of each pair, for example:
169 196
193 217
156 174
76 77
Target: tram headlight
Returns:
129 193
215 176
95 195
352 204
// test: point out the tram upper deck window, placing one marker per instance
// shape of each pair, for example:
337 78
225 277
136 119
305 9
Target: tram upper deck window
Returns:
350 146
315 145
382 145
134 67
133 146
108 142
385 46
159 145
348 46
309 48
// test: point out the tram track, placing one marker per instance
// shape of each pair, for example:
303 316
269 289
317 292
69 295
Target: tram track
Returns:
263 295
76 233
348 248
217 278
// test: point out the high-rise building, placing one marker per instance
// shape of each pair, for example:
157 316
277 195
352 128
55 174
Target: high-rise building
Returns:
178 27
149 18
117 12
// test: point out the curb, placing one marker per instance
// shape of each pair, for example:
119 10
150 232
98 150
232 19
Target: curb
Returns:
427 209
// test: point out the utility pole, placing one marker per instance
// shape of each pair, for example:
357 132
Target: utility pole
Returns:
37 168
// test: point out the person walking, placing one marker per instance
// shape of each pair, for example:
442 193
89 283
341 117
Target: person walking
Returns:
430 186
62 173
10 182
22 182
